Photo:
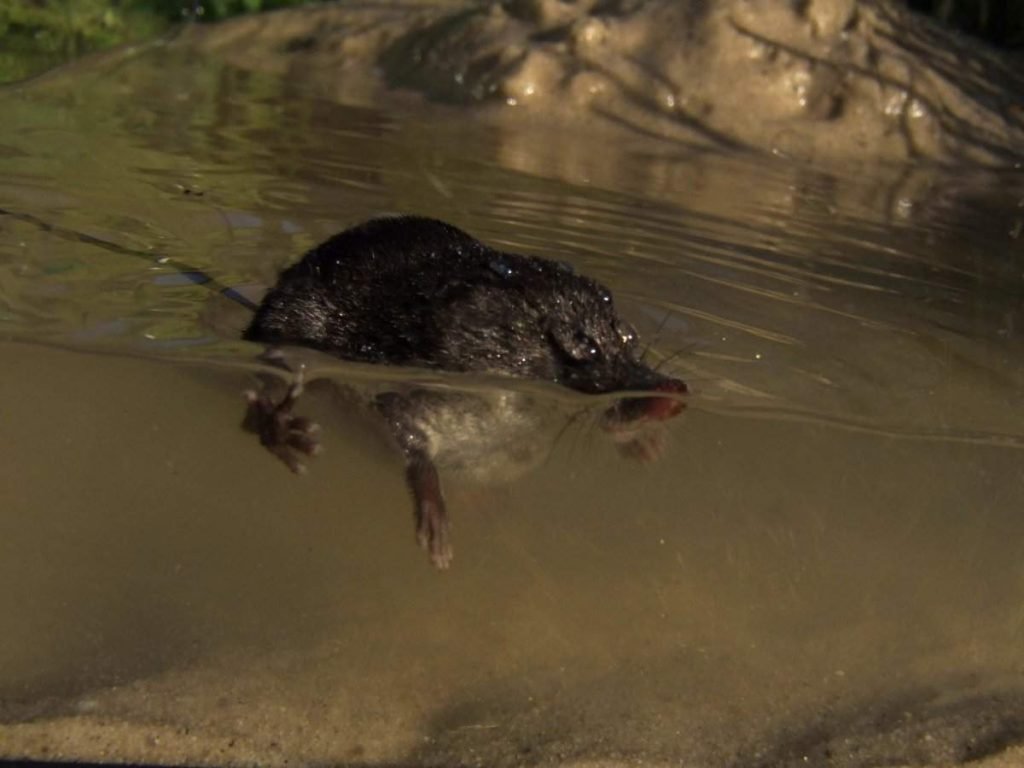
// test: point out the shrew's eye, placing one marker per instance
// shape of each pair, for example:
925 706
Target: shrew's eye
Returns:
583 348
574 345
627 333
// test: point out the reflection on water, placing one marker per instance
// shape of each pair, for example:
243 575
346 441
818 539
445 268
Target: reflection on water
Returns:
824 564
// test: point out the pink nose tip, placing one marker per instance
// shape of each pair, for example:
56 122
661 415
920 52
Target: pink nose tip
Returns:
666 407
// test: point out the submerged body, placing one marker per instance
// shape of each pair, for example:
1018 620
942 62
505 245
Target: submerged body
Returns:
418 292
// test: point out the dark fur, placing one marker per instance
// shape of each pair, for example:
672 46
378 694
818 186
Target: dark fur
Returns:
419 292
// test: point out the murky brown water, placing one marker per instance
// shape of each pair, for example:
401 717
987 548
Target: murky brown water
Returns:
825 564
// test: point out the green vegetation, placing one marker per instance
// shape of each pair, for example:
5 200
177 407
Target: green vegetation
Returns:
212 10
38 34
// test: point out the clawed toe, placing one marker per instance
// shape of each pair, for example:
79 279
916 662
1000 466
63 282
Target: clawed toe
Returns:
432 535
429 509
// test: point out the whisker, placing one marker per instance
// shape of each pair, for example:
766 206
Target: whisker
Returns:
667 359
561 433
686 348
577 446
655 336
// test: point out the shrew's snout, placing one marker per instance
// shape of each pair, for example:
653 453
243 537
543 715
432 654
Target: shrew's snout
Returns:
661 408
655 407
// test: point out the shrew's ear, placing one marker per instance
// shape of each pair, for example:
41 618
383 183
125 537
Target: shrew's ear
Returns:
572 344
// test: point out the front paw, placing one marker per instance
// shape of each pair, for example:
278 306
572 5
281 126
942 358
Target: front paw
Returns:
646 445
284 434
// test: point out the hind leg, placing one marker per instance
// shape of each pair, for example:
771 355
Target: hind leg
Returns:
429 510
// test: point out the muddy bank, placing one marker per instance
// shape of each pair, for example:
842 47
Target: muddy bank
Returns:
824 80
